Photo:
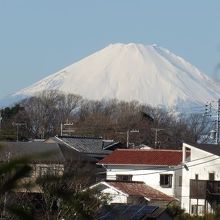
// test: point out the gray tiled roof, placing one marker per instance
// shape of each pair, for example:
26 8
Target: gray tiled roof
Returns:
36 151
211 148
88 145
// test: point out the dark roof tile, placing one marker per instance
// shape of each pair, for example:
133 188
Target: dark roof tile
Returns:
211 148
89 145
37 151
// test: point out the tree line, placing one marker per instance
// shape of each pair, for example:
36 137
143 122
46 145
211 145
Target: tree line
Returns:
42 116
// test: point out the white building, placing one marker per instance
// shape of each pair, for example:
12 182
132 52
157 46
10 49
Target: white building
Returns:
191 175
159 169
201 178
133 193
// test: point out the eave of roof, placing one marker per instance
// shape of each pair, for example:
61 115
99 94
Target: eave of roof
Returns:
136 165
136 189
210 148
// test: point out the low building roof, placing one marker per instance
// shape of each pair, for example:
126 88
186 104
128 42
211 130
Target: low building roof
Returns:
211 148
88 145
35 151
134 188
150 157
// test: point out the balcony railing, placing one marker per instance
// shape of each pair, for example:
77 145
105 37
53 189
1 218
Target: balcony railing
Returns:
213 187
204 189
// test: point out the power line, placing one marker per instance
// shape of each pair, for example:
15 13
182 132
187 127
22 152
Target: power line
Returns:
177 168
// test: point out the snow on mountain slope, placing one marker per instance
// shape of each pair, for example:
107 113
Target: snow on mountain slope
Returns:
148 74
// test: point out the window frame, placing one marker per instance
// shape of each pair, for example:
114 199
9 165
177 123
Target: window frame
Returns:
212 176
180 180
124 177
197 209
166 180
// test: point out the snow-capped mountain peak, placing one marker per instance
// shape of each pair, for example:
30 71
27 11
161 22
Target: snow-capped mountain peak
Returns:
149 74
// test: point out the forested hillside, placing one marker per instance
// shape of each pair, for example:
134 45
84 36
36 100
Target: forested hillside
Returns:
42 116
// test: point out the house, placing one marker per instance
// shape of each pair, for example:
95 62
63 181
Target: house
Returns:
44 158
132 192
132 212
91 147
62 151
87 150
191 175
159 169
49 157
200 178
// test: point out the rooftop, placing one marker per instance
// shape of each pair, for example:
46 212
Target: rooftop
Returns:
143 157
211 148
89 145
139 189
37 151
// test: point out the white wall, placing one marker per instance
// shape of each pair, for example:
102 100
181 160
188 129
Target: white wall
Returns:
202 163
149 175
115 197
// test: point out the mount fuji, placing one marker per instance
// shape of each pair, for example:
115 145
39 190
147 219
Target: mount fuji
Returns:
149 74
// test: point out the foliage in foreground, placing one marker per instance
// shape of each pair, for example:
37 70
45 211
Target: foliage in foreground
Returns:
57 197
178 213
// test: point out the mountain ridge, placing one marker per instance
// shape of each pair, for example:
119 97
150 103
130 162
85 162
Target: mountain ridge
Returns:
149 74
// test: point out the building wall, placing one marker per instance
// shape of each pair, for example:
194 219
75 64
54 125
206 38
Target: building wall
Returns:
149 175
40 170
114 196
201 163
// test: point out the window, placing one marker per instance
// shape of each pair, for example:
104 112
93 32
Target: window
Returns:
28 174
50 170
187 153
180 180
212 176
42 170
197 209
124 177
166 180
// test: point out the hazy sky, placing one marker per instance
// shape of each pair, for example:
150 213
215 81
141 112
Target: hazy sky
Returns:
38 38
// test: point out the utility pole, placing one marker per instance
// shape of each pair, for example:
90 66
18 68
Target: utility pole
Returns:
128 134
127 139
156 135
0 120
66 128
217 122
209 112
6 193
61 129
17 128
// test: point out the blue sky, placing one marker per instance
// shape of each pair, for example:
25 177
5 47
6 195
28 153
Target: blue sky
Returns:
38 38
